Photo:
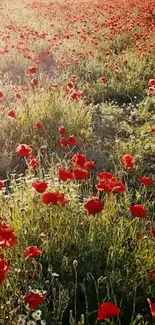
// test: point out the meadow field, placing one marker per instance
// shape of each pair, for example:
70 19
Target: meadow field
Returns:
77 163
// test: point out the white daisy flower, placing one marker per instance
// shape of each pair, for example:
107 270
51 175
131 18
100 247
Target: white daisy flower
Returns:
37 314
31 322
43 322
21 320
55 274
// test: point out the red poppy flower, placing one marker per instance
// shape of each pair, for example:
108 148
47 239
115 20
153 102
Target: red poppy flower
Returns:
18 96
4 268
151 82
23 150
153 231
72 140
107 310
62 129
103 79
12 113
89 164
138 210
79 159
34 299
146 180
38 125
64 142
7 236
70 85
80 173
1 184
33 163
105 175
77 94
94 206
31 275
152 131
151 275
111 185
74 77
54 85
32 69
1 94
65 175
54 198
40 187
74 95
128 161
32 252
152 307
34 82
80 94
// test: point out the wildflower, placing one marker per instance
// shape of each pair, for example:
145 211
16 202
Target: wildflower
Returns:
33 162
40 187
32 69
128 161
64 142
54 85
34 82
153 231
36 315
80 173
4 268
7 236
74 77
146 180
111 185
151 83
138 210
1 94
38 125
65 175
23 150
54 198
77 94
34 299
89 164
152 131
1 184
43 322
94 206
32 252
79 159
103 79
107 310
18 96
151 275
105 175
70 85
12 113
72 140
152 307
62 129
74 95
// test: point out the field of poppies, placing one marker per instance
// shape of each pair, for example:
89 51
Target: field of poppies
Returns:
77 163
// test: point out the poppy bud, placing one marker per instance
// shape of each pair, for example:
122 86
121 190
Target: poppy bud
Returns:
75 264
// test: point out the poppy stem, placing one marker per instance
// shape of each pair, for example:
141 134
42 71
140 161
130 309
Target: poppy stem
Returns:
75 292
